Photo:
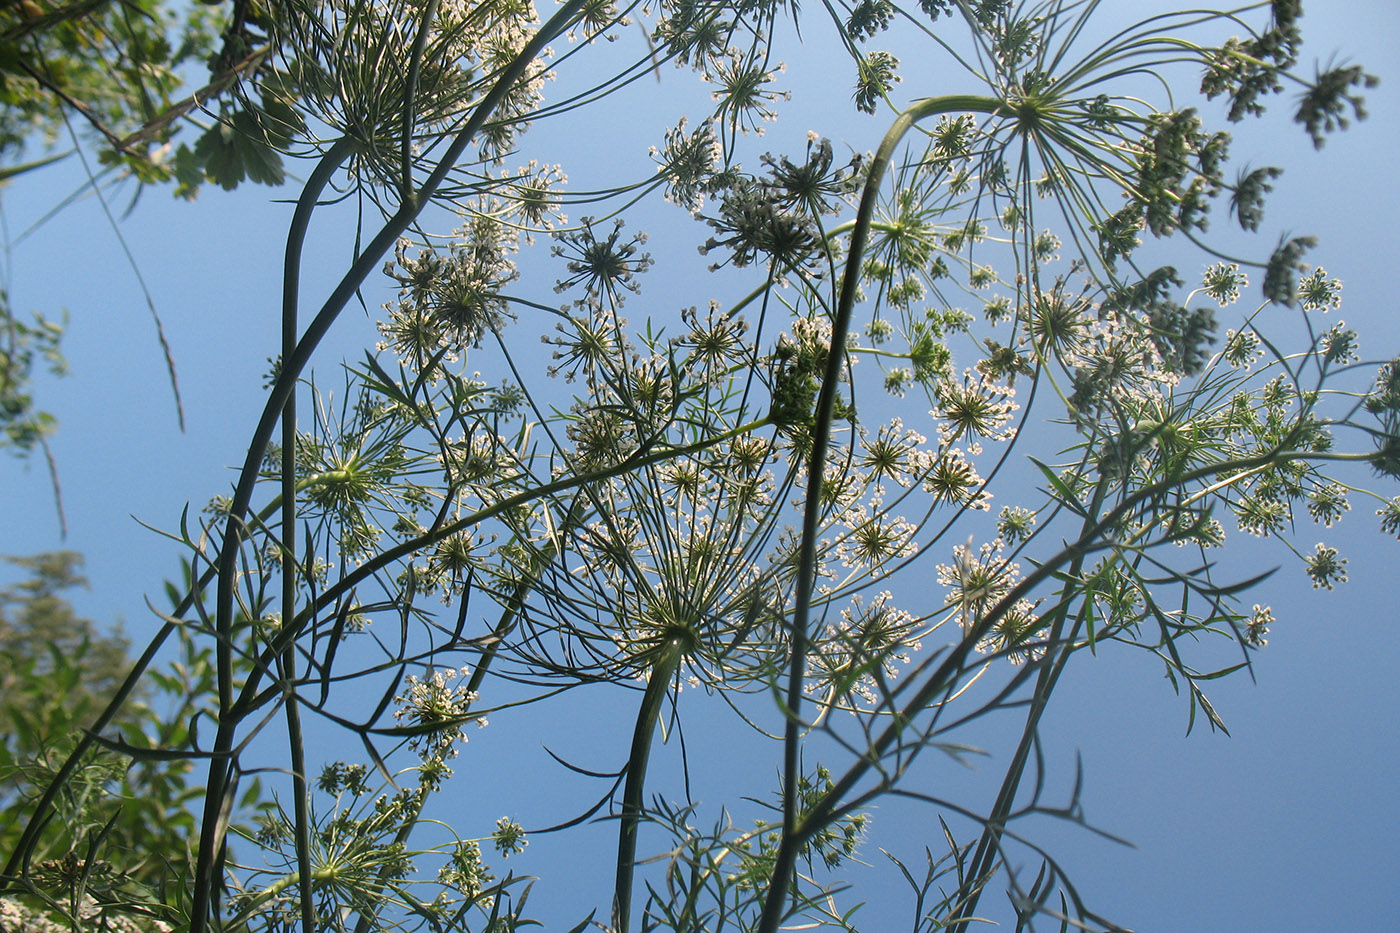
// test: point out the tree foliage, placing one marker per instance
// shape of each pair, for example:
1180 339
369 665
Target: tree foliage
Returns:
39 632
778 507
57 672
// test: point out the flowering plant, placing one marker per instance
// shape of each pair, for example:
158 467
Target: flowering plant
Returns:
792 504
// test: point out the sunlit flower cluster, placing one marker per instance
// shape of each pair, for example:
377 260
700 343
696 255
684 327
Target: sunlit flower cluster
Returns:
1389 515
952 479
974 408
605 266
531 191
466 45
1242 348
434 708
874 537
979 582
743 96
1256 627
1339 344
1326 568
892 454
448 302
588 339
1223 282
688 162
1015 524
866 647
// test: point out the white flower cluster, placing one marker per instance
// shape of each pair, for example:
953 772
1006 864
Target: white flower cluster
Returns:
437 708
865 648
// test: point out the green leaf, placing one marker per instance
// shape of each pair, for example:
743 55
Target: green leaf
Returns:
1061 491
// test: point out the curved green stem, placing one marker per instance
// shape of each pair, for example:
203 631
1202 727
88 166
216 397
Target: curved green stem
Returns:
286 665
280 407
291 369
281 393
415 68
786 858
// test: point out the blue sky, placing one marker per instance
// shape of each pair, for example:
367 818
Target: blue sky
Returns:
1282 826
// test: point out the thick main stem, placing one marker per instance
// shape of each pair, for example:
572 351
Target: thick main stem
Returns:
658 680
286 666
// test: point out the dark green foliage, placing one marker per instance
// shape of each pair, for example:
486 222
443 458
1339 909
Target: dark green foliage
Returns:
1247 202
1323 108
108 66
244 145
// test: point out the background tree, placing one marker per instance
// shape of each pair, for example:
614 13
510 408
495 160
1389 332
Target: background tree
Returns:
40 634
57 671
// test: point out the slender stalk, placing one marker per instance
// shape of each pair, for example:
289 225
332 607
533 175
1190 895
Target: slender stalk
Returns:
658 681
211 828
415 68
291 369
826 404
283 392
301 795
286 666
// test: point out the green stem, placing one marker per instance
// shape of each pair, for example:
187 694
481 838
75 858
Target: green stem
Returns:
275 888
286 666
211 828
987 845
786 859
301 815
658 681
415 67
282 389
